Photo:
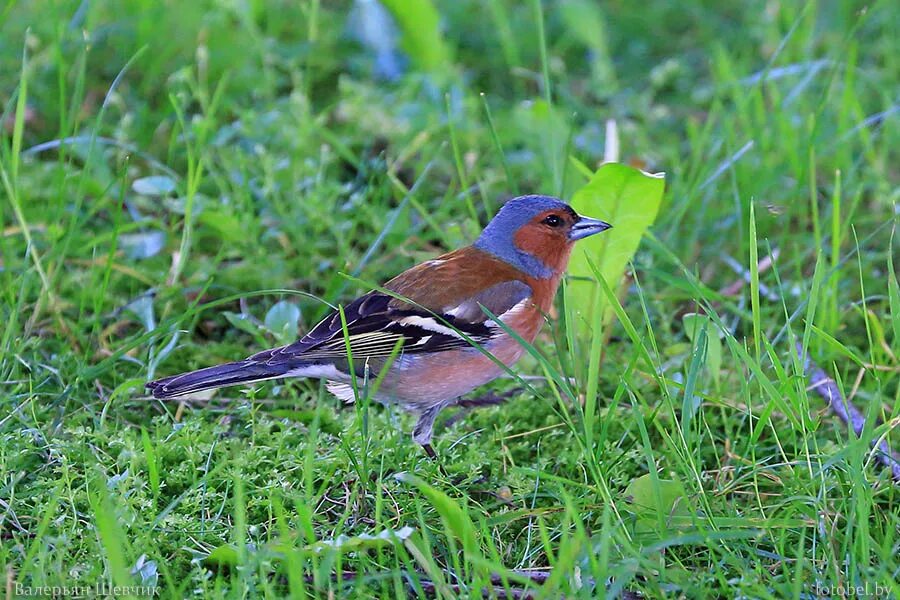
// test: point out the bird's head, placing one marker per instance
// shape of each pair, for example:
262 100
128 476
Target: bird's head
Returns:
535 234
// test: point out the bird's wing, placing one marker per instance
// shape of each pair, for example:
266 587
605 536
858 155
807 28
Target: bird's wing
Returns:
376 322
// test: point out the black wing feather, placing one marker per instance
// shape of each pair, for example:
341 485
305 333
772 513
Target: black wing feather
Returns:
374 325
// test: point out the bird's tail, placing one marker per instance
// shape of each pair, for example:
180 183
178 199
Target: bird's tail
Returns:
242 371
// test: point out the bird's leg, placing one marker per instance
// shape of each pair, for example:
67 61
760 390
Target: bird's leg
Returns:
429 450
424 429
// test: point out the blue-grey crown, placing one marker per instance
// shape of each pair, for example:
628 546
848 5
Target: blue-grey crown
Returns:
497 238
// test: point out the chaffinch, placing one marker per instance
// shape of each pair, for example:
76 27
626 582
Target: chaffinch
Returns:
436 314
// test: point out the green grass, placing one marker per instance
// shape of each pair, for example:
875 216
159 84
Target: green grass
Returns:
293 168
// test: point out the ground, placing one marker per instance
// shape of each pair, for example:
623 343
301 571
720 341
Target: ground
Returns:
187 183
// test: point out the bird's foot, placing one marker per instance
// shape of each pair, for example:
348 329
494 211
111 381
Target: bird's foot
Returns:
429 451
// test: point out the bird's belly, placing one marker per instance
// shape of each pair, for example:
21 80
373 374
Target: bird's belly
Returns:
421 381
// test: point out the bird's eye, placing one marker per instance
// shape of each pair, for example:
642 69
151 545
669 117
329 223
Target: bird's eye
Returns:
552 221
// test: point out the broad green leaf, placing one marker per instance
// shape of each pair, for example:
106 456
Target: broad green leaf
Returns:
419 23
282 320
227 225
629 200
224 556
656 504
649 499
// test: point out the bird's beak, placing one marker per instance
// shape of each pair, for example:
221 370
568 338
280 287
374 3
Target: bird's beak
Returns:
587 226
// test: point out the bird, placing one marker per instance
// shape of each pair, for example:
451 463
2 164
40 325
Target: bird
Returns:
438 330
